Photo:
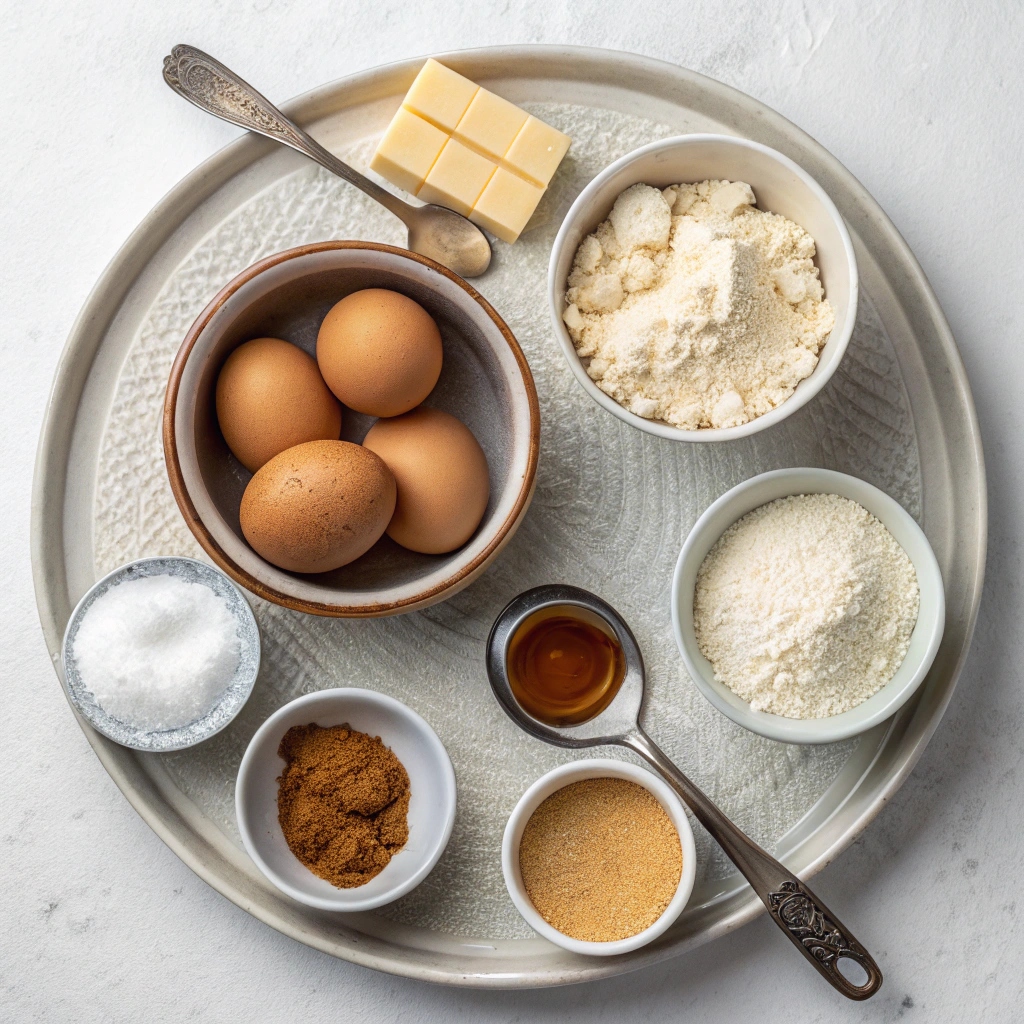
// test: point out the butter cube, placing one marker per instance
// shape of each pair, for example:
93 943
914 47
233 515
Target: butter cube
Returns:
440 95
460 146
457 178
490 124
506 204
537 150
408 150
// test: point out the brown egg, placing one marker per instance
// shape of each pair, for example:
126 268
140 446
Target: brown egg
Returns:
379 351
441 474
270 397
318 505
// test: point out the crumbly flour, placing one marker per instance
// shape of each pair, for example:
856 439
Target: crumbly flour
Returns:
805 606
695 307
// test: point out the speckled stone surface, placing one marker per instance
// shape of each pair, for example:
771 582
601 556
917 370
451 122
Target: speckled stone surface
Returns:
103 922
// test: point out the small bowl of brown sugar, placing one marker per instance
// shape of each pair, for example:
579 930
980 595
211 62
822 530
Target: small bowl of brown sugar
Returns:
598 857
345 799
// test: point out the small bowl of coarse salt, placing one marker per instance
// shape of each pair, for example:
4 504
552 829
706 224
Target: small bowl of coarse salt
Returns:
161 654
703 288
808 605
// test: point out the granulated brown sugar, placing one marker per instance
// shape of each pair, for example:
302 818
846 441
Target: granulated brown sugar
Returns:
342 801
600 859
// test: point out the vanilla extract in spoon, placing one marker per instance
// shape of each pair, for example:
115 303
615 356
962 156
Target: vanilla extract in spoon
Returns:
564 665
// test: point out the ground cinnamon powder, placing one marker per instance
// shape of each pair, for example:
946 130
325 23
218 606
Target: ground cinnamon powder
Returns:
600 859
342 801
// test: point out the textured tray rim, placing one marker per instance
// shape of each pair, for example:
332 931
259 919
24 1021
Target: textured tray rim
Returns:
642 74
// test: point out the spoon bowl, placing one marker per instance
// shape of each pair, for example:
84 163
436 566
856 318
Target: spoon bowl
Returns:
448 238
808 923
618 719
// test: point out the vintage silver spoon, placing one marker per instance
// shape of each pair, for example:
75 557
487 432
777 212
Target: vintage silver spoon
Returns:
810 925
440 234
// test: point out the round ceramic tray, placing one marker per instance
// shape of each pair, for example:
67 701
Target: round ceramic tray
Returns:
612 508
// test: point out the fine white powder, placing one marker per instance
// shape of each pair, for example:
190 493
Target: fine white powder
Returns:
157 652
805 606
696 308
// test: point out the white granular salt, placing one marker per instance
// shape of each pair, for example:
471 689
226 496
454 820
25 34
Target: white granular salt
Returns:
157 652
696 308
805 606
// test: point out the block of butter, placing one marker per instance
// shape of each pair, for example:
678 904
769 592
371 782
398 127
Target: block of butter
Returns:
460 146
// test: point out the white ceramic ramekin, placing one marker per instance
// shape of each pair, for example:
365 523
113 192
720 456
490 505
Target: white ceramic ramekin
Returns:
431 798
780 186
577 771
924 641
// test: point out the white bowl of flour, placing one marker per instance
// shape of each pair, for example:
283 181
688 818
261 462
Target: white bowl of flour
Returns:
812 595
707 319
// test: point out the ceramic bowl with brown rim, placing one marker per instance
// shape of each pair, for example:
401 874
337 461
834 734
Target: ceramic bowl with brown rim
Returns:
485 382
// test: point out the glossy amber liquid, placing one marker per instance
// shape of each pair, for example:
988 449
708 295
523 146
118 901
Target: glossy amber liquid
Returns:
563 669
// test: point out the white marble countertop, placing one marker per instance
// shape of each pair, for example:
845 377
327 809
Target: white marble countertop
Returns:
920 100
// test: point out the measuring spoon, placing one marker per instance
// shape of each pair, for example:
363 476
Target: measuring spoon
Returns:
808 923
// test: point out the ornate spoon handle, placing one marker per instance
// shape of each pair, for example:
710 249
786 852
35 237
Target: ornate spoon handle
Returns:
212 87
810 925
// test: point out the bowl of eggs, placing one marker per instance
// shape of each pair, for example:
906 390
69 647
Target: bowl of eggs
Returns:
351 430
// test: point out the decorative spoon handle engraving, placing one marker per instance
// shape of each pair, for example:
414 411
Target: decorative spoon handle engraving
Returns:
824 940
209 84
810 925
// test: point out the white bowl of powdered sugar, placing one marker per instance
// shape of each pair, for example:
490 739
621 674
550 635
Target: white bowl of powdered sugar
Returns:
703 288
808 605
161 654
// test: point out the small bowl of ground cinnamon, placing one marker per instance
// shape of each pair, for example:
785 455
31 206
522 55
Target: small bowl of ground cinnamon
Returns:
345 799
598 857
